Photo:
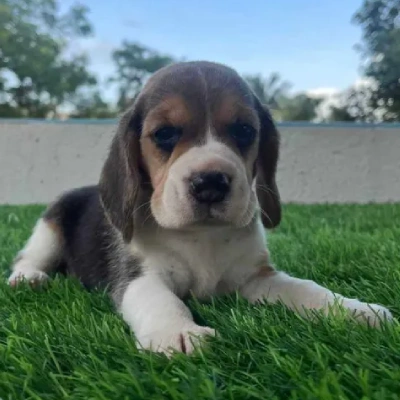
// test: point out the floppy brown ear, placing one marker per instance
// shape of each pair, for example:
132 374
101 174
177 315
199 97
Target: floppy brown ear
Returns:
267 160
120 178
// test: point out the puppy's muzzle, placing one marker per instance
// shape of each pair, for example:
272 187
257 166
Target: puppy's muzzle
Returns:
209 187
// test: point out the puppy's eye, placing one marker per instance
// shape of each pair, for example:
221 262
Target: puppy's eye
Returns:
167 137
242 134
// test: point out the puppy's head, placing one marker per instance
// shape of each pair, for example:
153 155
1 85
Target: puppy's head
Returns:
199 142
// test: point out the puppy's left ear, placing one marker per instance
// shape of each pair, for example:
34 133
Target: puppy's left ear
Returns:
120 179
266 165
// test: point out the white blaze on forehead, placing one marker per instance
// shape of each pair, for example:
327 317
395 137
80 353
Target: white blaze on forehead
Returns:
213 154
209 134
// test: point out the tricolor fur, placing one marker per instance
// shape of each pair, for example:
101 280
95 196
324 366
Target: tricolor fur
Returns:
181 208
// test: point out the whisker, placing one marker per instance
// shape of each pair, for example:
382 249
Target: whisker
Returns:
266 215
147 217
141 206
266 189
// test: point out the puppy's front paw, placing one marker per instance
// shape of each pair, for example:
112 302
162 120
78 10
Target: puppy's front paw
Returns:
372 314
33 277
183 340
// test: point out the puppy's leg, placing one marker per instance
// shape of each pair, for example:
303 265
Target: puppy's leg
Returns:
301 295
39 255
160 320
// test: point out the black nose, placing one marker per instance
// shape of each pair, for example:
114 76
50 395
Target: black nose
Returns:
209 187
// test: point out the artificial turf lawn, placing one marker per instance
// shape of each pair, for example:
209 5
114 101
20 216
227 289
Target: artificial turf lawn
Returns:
63 342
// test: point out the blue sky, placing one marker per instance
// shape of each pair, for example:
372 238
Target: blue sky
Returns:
309 42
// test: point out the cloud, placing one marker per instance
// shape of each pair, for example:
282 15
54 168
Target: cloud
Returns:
331 97
323 92
363 82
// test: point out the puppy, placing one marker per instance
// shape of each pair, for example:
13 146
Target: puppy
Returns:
181 207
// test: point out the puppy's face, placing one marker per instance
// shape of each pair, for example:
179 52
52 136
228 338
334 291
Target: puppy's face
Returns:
199 146
199 130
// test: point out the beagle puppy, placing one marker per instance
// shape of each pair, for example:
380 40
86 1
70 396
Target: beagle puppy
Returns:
181 208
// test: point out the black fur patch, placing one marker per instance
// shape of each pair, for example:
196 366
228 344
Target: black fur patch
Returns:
93 251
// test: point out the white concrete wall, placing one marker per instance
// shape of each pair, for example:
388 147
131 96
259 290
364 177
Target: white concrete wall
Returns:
337 163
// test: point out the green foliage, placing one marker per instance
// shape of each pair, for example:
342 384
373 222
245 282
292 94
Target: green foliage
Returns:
135 63
270 90
299 108
39 72
342 113
92 105
356 106
274 93
36 75
66 343
380 24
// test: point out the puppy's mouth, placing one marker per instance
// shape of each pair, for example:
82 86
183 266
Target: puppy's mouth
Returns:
207 223
221 214
210 214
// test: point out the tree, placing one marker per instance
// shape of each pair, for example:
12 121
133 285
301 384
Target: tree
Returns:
270 90
36 76
299 108
134 64
340 113
274 93
92 105
356 105
380 24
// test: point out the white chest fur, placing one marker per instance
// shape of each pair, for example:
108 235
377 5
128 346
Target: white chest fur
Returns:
204 261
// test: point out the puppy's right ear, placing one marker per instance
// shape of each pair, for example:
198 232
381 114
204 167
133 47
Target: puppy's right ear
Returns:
120 178
267 161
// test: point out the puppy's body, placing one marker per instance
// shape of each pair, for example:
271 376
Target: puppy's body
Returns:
183 200
90 250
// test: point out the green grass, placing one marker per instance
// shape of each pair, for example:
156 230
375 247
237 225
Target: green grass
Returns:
66 343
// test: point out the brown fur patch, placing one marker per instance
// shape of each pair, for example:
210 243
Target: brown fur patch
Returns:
231 108
171 111
55 227
266 271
